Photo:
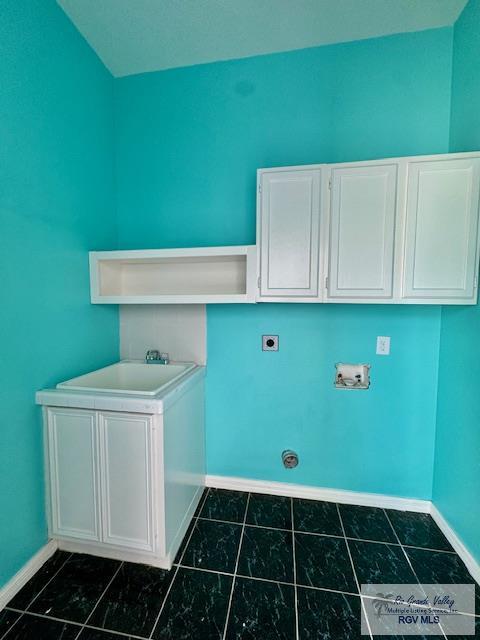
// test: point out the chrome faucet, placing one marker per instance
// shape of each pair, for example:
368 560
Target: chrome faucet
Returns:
154 356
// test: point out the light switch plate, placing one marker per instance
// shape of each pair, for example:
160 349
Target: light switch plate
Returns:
383 345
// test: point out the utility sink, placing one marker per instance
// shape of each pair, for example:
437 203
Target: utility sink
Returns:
127 377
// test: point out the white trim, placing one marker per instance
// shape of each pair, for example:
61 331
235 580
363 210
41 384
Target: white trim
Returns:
318 493
115 553
19 580
472 565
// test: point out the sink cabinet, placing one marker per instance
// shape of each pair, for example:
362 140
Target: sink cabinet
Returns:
127 479
72 444
125 484
101 476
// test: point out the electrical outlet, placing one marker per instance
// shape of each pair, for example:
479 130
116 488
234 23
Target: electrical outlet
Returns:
269 343
383 346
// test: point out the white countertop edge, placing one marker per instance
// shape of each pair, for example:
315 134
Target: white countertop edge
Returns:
116 402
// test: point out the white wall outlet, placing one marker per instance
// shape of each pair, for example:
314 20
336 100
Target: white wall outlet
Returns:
383 345
269 343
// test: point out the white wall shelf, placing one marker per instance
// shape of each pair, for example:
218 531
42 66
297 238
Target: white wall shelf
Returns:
174 276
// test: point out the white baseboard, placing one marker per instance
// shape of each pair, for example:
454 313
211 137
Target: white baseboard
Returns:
22 576
472 565
318 493
114 553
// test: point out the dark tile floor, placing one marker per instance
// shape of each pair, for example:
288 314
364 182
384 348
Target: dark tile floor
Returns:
251 566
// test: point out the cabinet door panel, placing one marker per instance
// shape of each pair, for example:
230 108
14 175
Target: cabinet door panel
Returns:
126 454
72 441
441 229
363 207
290 218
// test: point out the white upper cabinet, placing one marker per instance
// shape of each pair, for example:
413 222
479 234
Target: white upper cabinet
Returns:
362 229
289 233
393 231
441 230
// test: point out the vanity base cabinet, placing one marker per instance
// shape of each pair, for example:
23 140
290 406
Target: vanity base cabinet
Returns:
72 445
125 485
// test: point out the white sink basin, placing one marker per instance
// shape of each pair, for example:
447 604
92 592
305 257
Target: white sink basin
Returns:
129 378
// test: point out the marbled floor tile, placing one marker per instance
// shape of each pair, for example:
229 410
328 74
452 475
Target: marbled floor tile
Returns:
266 553
316 517
443 568
323 562
75 590
367 523
196 607
186 538
270 511
7 618
133 600
261 610
328 616
418 530
38 581
225 505
377 563
213 545
34 628
95 634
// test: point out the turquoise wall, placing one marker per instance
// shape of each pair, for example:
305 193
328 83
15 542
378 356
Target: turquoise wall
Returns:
465 113
56 203
457 454
261 403
188 144
189 140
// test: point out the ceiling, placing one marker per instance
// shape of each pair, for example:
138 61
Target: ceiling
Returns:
135 36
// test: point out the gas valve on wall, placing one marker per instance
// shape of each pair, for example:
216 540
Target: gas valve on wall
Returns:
289 459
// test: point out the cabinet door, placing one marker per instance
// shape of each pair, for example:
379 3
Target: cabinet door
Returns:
289 233
72 462
362 228
441 230
126 463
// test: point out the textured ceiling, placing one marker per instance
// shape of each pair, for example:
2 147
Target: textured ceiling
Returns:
135 36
